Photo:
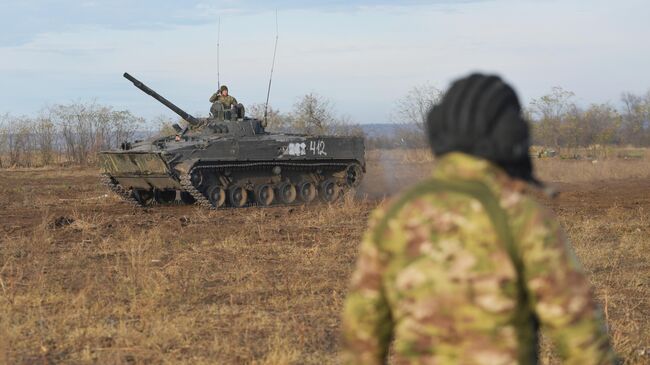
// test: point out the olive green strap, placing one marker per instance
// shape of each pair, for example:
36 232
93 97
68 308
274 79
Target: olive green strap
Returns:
479 191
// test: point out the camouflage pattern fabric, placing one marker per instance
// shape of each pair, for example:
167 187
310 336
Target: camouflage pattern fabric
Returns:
227 101
440 283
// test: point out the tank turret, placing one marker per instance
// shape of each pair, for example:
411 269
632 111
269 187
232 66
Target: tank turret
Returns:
223 121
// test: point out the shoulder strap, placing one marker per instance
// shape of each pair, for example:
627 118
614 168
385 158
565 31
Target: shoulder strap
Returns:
524 316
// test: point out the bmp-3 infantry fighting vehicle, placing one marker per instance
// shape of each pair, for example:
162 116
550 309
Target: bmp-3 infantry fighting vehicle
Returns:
229 160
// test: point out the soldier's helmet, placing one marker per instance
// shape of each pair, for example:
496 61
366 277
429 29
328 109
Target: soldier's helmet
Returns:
223 88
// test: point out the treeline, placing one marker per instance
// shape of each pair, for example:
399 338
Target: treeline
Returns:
64 134
74 133
559 122
556 120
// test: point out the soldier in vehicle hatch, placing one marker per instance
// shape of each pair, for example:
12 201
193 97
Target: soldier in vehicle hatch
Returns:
225 103
466 266
223 97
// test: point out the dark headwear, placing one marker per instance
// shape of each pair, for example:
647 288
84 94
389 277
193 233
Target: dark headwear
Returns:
223 87
480 115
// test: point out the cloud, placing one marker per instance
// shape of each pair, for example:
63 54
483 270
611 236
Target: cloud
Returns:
22 21
361 55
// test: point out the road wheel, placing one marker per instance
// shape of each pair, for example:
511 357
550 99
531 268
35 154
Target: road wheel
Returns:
264 195
217 196
197 178
353 175
329 190
287 193
238 196
307 191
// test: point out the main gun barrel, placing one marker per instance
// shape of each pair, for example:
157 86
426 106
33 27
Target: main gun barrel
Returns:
183 114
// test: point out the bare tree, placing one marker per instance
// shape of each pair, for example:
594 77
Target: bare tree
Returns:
553 105
123 126
411 112
88 128
312 114
600 125
550 112
19 142
635 127
44 133
414 107
75 121
16 141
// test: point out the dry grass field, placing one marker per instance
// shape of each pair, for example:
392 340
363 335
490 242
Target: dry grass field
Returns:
87 279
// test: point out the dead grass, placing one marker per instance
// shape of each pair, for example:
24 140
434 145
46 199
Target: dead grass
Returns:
179 285
182 285
612 245
595 163
567 171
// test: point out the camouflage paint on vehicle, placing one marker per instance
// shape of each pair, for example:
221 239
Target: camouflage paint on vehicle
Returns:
133 164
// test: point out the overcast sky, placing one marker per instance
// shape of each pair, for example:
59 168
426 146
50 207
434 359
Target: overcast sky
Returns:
363 55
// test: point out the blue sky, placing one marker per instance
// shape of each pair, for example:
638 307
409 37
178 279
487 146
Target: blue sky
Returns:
362 55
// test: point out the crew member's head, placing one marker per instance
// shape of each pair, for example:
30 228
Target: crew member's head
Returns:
223 90
480 115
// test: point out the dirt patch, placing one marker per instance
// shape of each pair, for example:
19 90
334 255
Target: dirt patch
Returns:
595 197
116 284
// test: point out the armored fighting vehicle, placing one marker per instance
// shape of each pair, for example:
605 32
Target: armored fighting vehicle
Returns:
229 160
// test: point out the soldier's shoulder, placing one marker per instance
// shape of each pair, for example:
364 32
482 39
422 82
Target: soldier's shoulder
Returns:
528 216
525 200
427 200
419 206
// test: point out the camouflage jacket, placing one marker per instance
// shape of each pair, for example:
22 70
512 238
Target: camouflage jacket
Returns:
227 101
438 281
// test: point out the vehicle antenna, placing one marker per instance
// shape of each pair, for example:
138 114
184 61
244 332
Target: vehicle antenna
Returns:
218 39
275 49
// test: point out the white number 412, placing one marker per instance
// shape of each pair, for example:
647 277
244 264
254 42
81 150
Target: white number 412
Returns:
317 148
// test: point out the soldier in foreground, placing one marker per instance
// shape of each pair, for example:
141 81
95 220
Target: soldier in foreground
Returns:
466 267
222 101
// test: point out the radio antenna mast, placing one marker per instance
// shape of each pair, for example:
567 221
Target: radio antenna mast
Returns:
275 49
218 40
